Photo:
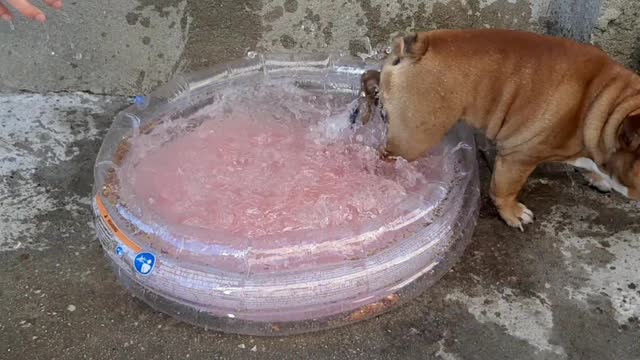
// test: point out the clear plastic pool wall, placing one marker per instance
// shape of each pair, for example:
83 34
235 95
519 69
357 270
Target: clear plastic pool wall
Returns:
243 199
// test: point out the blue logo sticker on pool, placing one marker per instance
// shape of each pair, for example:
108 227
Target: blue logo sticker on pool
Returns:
144 263
119 251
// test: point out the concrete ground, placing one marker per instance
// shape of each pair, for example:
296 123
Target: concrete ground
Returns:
566 288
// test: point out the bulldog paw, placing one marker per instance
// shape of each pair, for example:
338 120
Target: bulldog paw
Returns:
516 215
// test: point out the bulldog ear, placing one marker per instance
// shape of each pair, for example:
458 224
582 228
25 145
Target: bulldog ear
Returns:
412 46
629 134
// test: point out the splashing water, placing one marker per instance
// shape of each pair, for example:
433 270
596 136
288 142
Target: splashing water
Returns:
268 162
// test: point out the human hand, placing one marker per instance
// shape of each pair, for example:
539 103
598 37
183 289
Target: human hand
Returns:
27 9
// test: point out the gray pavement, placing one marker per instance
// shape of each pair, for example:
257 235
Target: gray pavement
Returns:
566 288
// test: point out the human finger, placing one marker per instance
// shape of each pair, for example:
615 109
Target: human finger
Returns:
56 4
27 9
5 14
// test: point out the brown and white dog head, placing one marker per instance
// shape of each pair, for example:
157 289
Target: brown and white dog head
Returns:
406 50
620 171
410 47
400 93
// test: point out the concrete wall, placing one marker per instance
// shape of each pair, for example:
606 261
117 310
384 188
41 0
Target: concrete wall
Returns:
127 47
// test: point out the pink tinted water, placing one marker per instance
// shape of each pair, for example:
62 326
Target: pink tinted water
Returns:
253 176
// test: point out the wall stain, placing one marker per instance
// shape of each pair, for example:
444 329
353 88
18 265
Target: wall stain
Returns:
274 14
454 14
221 30
132 18
145 22
287 41
291 6
140 79
573 19
160 6
635 59
357 46
327 31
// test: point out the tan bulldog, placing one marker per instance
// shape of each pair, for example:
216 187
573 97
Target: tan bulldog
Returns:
539 98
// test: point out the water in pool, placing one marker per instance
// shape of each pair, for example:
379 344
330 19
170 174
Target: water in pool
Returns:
268 161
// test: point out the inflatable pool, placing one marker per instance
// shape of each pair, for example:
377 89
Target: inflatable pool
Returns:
247 199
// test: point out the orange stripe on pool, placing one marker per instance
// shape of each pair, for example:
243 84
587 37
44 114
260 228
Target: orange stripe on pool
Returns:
112 225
